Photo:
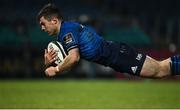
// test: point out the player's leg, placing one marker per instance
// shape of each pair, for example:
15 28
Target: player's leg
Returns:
154 68
129 60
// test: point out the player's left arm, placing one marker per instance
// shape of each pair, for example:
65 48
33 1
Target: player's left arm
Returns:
72 59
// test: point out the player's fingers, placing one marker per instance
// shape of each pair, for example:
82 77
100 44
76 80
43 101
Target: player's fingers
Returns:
45 51
53 53
51 50
53 59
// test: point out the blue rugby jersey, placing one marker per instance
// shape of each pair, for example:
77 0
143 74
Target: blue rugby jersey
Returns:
93 47
74 35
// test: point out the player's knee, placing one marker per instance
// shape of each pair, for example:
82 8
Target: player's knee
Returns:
154 71
162 71
159 75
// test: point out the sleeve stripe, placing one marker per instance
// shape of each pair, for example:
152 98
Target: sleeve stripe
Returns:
72 47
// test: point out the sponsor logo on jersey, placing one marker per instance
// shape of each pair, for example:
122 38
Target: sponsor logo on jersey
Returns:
68 38
134 69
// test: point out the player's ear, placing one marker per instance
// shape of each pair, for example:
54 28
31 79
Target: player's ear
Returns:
54 20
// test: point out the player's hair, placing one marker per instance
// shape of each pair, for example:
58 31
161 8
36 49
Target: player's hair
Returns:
49 11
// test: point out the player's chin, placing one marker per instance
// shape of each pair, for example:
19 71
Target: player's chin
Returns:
51 34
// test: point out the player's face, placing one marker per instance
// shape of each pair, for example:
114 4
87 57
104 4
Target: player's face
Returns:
48 26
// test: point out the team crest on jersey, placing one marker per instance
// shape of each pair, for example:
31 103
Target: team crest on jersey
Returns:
68 38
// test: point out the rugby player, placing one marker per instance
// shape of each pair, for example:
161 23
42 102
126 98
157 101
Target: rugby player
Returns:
83 42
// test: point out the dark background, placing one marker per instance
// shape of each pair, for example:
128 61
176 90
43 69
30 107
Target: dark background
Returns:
152 26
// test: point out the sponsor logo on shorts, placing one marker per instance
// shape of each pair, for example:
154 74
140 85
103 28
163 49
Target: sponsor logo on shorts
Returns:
139 57
134 69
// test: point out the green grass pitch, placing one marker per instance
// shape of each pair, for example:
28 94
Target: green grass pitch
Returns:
89 94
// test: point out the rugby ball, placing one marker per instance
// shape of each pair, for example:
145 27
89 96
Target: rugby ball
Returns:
57 46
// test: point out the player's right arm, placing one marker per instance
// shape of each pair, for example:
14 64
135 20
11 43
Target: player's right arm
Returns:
72 59
49 57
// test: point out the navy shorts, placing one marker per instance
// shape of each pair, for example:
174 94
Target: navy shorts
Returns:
122 58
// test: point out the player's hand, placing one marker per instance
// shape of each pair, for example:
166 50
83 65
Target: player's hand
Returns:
51 71
49 57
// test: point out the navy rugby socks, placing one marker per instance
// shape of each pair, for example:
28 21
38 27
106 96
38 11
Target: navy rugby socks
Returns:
175 65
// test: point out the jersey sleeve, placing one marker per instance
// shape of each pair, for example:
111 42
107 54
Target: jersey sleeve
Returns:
70 40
